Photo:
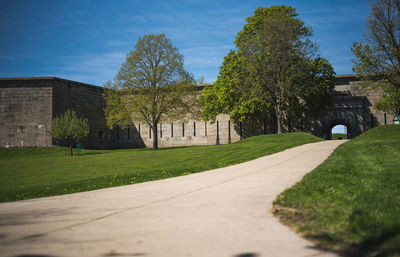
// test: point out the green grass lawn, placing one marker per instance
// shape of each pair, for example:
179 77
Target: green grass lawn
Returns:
336 136
38 172
351 203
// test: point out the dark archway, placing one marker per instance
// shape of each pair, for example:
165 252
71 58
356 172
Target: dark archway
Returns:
339 131
339 122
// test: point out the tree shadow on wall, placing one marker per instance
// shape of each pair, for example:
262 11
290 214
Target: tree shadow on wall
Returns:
128 137
254 127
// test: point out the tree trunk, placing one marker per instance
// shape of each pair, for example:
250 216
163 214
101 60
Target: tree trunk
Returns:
70 148
273 120
155 136
278 120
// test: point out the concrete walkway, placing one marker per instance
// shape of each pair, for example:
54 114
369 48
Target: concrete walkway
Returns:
223 212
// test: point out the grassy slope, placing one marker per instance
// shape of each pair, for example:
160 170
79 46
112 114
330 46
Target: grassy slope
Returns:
336 136
351 203
31 173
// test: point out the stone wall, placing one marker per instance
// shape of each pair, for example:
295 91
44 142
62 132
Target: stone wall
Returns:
27 106
87 101
376 117
183 133
359 103
25 113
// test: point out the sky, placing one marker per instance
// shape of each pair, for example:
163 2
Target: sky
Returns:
340 129
87 41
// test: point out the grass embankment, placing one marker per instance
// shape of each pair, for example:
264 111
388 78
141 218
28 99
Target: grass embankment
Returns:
338 136
31 173
351 202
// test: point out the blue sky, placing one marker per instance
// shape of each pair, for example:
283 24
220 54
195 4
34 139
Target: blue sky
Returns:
87 41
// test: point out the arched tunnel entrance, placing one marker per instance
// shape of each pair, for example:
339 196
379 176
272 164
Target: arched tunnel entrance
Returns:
338 132
342 128
338 129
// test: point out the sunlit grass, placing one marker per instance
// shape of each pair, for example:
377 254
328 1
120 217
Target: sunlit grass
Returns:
351 203
31 173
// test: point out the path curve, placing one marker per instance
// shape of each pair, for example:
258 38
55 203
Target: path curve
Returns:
222 212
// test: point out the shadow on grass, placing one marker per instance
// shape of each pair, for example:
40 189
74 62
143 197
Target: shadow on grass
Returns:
174 147
380 245
84 154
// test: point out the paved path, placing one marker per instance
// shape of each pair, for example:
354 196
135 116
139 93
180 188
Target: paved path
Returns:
222 213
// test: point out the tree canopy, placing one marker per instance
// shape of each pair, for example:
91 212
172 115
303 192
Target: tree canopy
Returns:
377 59
275 72
150 86
70 127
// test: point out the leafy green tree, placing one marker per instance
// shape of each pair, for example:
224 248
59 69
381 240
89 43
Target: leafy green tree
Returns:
70 127
151 86
378 58
230 94
275 72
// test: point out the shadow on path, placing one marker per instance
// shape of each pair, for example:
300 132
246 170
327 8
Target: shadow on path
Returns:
247 255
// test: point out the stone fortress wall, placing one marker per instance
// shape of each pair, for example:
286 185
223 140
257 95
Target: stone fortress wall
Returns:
353 107
25 114
188 132
28 105
350 86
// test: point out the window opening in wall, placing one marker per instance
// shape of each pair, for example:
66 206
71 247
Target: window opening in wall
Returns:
160 130
384 115
139 131
172 129
21 129
183 129
339 132
194 128
150 131
205 128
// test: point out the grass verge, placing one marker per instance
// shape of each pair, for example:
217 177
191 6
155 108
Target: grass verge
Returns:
351 203
39 172
338 136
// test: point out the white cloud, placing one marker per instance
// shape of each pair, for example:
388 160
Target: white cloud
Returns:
8 57
205 56
92 69
116 43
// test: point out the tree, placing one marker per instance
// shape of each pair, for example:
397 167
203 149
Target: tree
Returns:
151 85
230 94
377 60
70 127
275 72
